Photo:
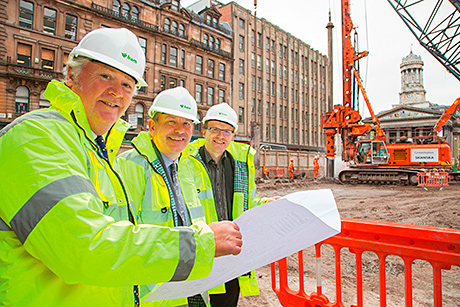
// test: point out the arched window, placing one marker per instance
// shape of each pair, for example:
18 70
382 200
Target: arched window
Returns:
174 27
205 39
217 43
198 126
44 103
22 99
211 42
134 13
116 6
181 30
126 10
167 25
140 115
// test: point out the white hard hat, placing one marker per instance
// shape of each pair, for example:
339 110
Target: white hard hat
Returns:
118 48
175 101
222 112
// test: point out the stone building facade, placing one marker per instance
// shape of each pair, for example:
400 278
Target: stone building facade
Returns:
181 47
277 84
279 87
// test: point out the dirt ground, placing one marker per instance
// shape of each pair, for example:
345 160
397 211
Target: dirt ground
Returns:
400 204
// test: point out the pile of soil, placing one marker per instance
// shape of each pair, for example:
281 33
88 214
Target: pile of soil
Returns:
390 203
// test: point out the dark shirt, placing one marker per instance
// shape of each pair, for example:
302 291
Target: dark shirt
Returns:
221 175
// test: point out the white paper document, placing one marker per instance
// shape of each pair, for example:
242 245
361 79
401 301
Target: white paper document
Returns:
270 232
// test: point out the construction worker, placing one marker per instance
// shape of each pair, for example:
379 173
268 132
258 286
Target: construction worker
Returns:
225 179
315 167
291 170
68 236
265 171
150 180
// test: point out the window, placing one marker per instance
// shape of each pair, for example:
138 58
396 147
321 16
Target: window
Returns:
173 57
217 44
259 106
143 43
253 82
281 91
241 90
125 11
172 82
182 83
22 99
280 69
23 56
174 28
199 65
43 103
273 46
163 54
116 6
273 89
134 13
221 72
140 115
241 115
49 21
267 132
285 72
267 109
281 50
211 42
47 59
162 83
241 67
267 65
205 39
182 59
259 39
273 109
198 93
253 60
221 98
241 43
259 84
281 114
285 113
70 27
210 96
181 30
253 106
259 60
210 68
26 14
267 87
241 23
267 43
175 5
167 25
273 68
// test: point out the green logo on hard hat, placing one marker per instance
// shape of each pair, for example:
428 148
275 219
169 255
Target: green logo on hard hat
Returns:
183 106
127 56
223 114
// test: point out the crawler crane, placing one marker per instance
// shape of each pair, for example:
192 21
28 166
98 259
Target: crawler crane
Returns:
376 160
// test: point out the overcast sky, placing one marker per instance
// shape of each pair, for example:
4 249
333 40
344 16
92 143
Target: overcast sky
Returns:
381 32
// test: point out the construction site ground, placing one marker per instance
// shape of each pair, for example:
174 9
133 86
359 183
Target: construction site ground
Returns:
391 203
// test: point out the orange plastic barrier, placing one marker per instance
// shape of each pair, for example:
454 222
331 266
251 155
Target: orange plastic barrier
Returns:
433 179
440 247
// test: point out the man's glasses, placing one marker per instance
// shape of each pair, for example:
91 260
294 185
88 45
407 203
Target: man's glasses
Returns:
215 130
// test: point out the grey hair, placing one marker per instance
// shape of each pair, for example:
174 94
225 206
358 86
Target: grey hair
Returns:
77 64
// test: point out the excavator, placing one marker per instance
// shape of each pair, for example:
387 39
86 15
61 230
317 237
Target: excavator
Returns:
374 159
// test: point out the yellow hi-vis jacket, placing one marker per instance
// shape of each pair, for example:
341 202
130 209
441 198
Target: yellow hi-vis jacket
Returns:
148 187
58 244
244 196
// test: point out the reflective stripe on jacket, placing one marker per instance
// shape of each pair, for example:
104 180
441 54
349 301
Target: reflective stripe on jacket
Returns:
149 189
66 240
244 197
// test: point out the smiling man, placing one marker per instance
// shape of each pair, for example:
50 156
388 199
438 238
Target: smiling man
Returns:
67 234
224 175
159 181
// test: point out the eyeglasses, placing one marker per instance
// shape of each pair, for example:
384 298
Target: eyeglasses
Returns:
215 130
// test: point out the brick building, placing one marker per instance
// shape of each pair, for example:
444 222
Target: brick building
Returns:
181 47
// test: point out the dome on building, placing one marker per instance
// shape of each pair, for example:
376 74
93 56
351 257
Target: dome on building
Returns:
411 59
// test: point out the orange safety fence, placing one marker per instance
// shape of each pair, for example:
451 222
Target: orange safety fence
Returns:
433 179
440 247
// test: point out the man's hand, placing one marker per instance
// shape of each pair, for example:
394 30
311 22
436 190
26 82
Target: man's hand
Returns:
227 237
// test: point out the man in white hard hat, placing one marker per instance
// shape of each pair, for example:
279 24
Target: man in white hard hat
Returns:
67 234
224 175
162 189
